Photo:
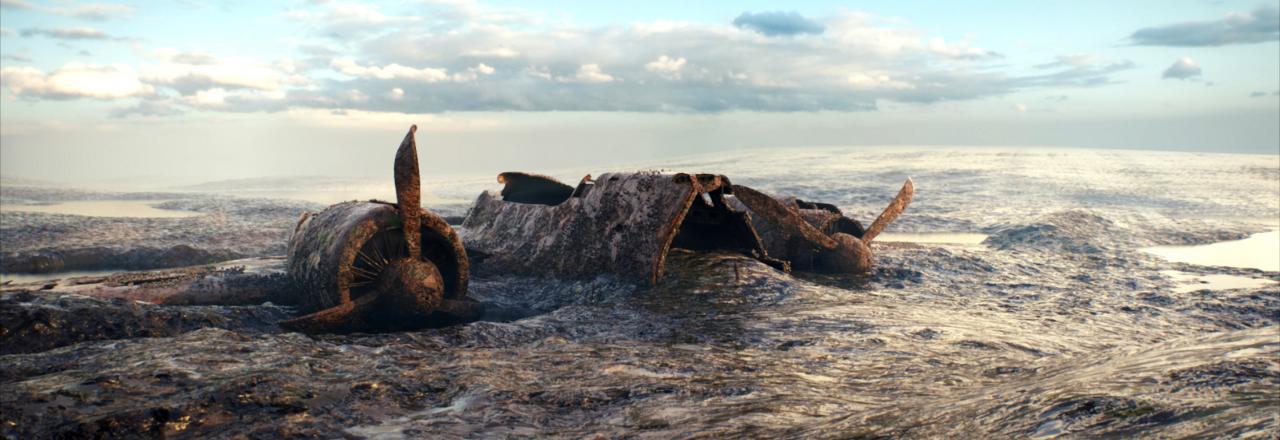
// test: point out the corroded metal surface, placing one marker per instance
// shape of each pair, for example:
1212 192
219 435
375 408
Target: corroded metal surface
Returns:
409 190
533 188
621 223
786 217
890 213
323 253
815 236
379 266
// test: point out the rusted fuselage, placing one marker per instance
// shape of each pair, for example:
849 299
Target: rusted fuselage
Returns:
622 223
625 223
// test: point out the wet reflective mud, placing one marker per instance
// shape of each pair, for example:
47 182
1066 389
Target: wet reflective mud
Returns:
1057 324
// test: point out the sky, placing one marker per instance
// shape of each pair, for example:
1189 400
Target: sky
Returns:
187 91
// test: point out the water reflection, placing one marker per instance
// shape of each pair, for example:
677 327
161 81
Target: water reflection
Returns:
103 208
1258 251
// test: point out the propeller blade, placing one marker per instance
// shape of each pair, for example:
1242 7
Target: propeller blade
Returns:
891 212
786 218
409 193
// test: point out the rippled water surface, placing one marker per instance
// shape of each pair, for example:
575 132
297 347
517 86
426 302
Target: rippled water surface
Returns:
1046 319
104 208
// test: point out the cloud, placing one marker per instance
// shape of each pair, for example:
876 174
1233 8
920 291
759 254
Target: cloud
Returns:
1071 60
94 12
16 4
349 67
587 73
16 57
877 81
91 12
666 66
1261 25
1075 73
74 80
5 32
960 50
472 73
778 23
79 33
147 108
1185 68
1258 94
343 20
190 73
484 60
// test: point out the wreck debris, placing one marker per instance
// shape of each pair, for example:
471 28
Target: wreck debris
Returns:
817 236
533 188
890 213
380 266
625 223
622 223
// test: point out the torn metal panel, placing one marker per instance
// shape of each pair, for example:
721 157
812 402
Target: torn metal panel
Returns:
622 223
533 188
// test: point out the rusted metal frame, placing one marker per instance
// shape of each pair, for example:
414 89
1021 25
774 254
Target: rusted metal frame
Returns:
787 218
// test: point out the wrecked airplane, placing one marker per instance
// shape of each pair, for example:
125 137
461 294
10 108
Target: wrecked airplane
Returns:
381 266
625 223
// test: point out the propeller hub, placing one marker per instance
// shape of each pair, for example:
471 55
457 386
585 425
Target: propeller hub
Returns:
410 287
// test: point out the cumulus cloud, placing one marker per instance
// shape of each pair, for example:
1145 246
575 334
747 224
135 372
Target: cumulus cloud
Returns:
490 61
74 80
78 33
349 67
1184 68
778 23
472 73
189 73
666 66
587 73
1261 25
874 81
